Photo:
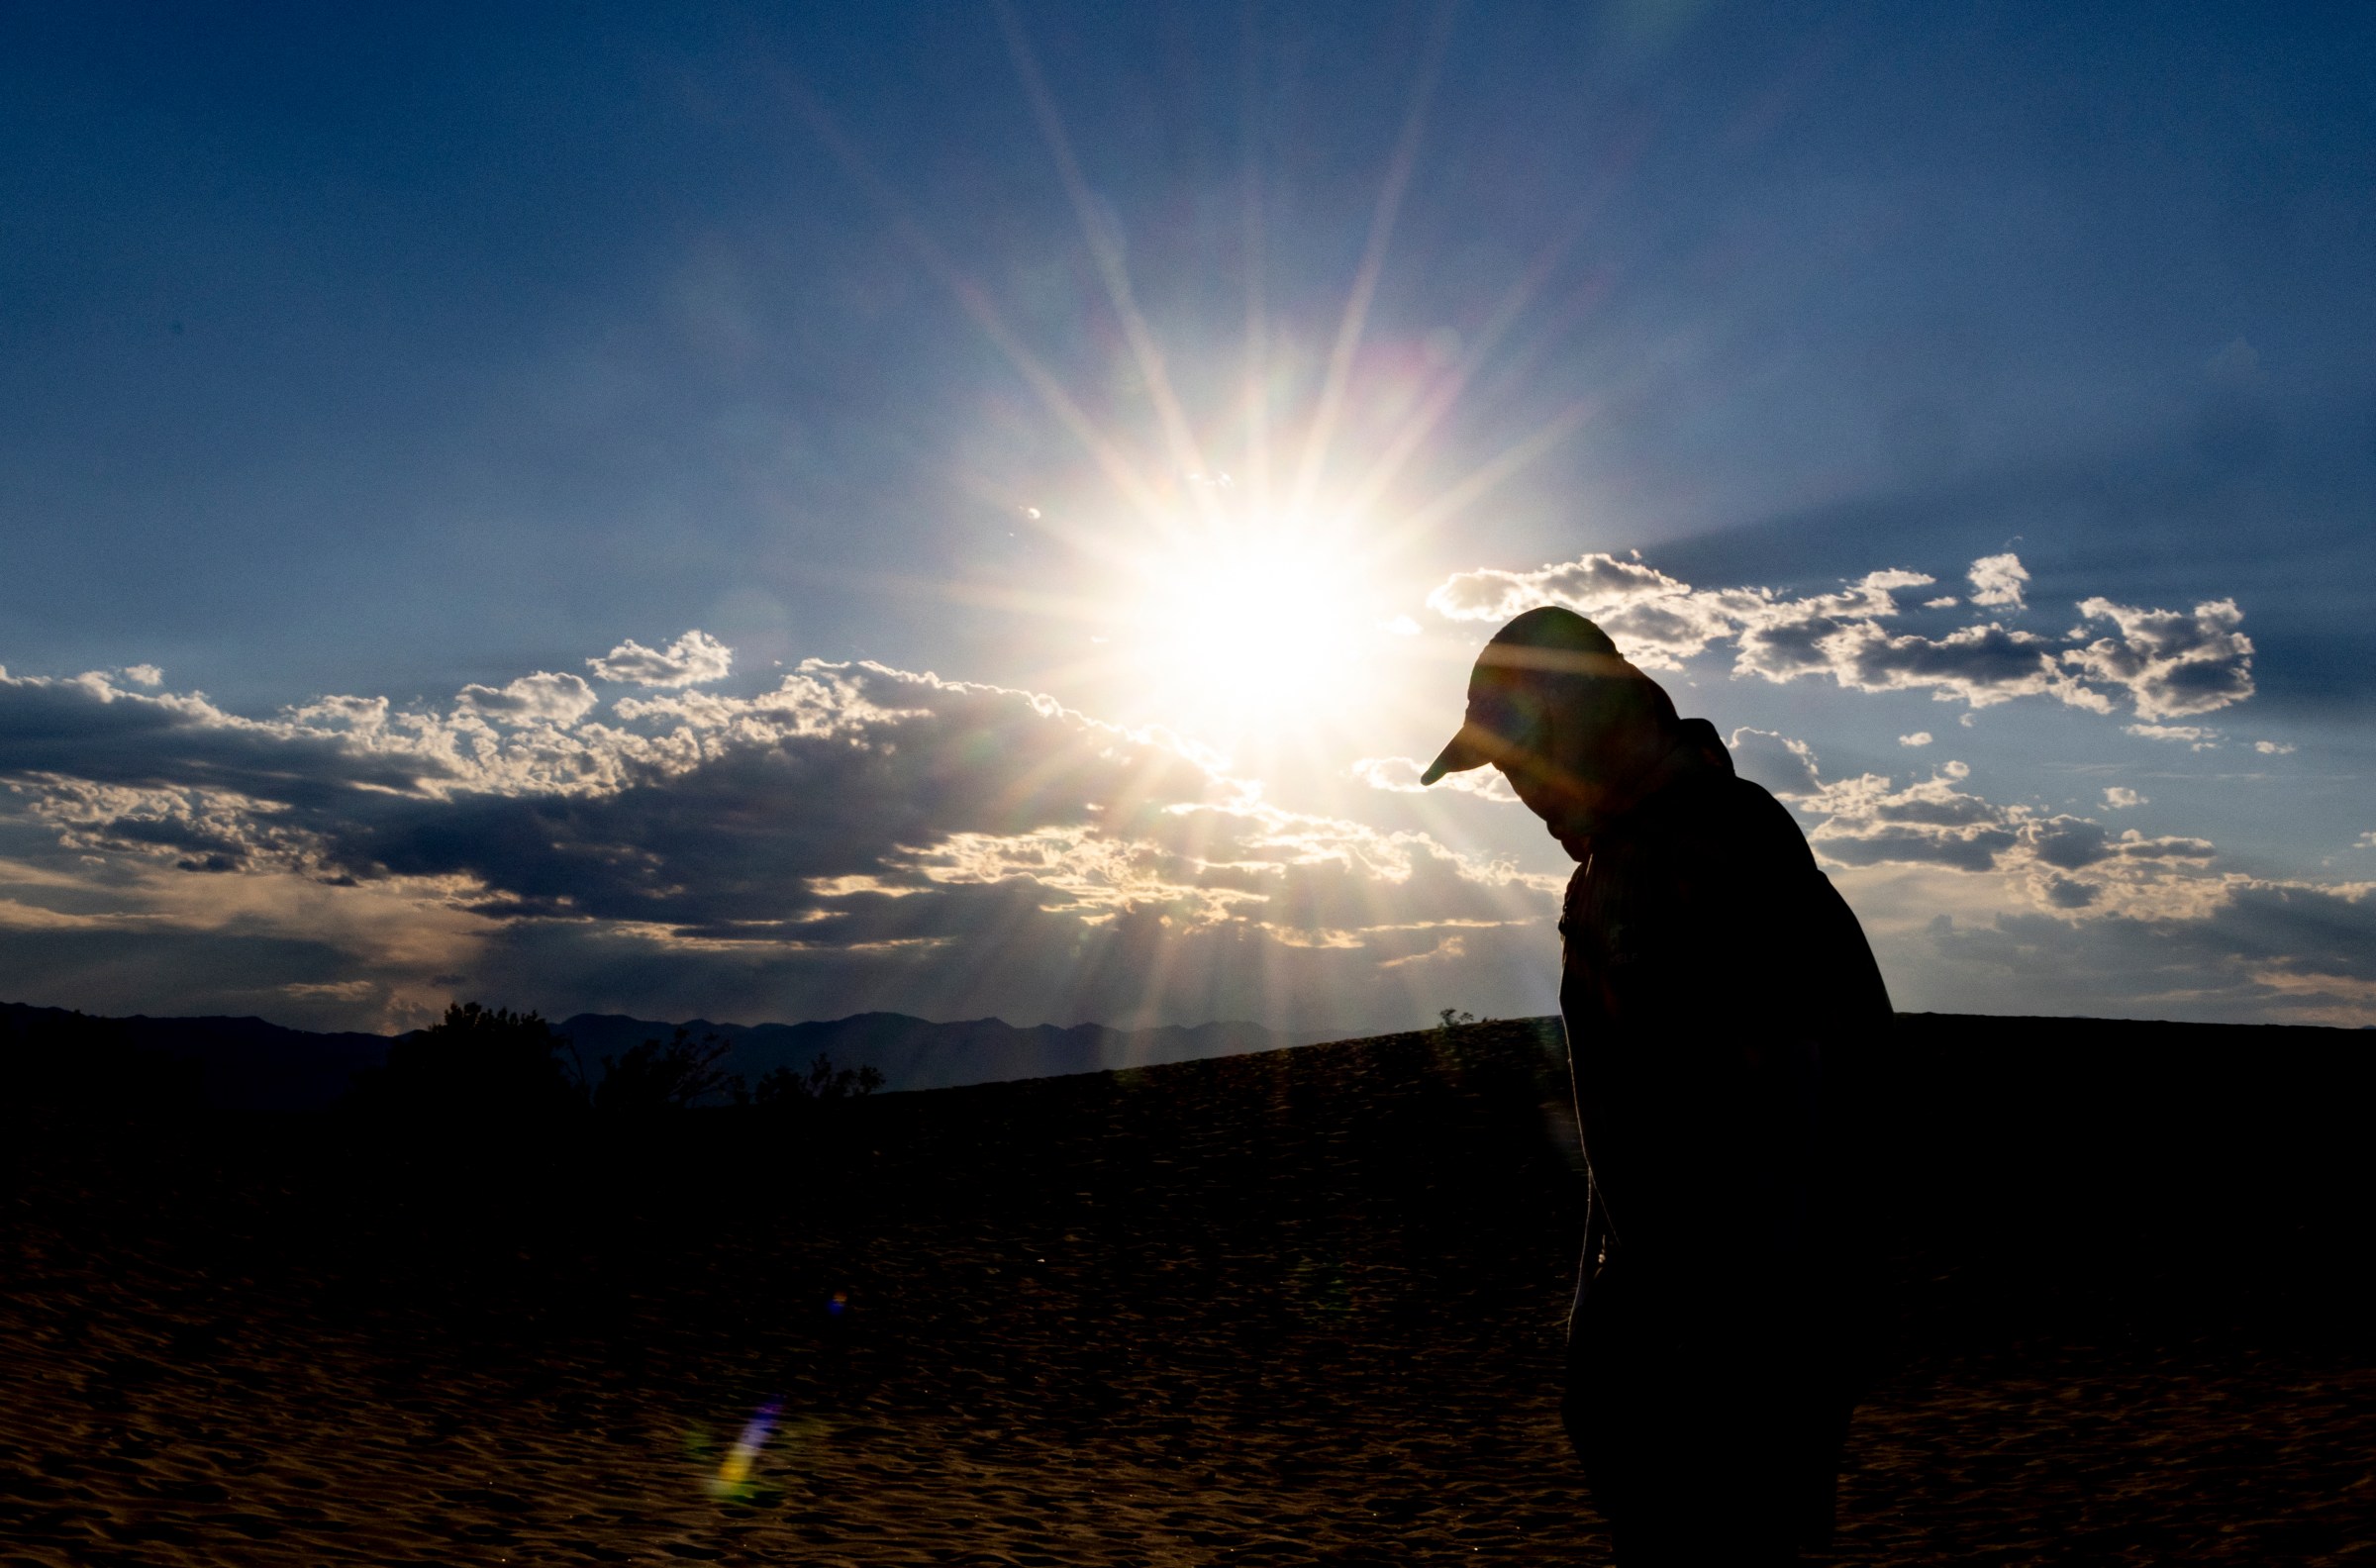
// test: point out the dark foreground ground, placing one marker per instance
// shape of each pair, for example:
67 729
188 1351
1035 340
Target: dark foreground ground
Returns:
1301 1307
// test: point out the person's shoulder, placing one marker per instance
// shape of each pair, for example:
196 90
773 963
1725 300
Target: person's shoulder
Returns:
1756 802
1758 820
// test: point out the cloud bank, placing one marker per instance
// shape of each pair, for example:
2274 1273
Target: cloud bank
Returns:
2151 919
849 837
2163 664
854 834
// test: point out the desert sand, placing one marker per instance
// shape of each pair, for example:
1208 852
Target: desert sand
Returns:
1295 1307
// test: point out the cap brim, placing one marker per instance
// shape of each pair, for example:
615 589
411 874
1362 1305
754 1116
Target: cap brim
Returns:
1459 756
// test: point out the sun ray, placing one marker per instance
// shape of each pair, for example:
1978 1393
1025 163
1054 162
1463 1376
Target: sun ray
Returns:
1042 604
1096 227
1439 401
1199 634
1029 781
977 304
1255 262
1502 466
1373 262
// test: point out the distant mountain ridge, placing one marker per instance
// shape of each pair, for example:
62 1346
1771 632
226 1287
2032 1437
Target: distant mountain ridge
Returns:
242 1063
913 1053
249 1064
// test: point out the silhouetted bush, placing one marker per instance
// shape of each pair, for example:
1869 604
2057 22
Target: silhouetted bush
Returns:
787 1089
476 1061
676 1076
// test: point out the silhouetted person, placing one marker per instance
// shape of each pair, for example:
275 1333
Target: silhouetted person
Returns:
1718 999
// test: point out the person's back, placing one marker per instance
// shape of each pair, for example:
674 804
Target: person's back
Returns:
1719 1000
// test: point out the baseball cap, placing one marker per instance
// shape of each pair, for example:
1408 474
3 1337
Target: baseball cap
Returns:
1510 680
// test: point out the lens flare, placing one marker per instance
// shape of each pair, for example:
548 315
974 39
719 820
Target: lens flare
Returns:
733 1476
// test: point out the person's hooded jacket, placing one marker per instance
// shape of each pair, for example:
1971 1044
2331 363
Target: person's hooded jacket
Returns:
1722 1007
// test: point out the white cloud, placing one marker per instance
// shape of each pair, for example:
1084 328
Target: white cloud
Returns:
691 660
2171 664
1942 602
1785 766
333 990
2119 797
2164 662
1979 665
1998 579
2200 737
1453 946
144 675
2273 748
541 698
356 715
2071 867
1868 820
1400 775
1657 619
1920 737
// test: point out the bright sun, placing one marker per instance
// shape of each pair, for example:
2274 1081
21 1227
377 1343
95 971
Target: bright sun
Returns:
1244 628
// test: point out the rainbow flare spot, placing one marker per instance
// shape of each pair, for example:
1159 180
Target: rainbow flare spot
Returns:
734 1474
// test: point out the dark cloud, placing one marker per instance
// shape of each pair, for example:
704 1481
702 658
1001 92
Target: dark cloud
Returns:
2065 893
86 728
849 825
1980 665
2070 843
994 951
1974 850
2263 951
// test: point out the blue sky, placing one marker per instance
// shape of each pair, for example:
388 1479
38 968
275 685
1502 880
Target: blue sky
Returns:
772 513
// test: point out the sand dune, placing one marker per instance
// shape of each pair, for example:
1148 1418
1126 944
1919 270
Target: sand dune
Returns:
1297 1308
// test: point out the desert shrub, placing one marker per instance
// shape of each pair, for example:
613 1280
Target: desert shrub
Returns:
1445 1039
787 1089
675 1076
476 1061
